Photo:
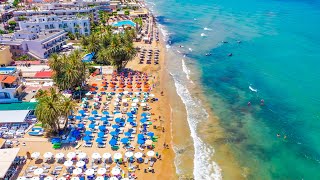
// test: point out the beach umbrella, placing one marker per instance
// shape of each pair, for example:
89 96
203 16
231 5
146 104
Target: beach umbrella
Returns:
115 171
115 126
113 142
48 155
144 114
62 178
143 120
48 178
68 163
143 104
80 163
152 95
118 120
75 178
82 155
22 178
71 155
140 136
103 118
99 140
117 156
127 134
106 155
125 92
150 153
70 117
102 128
81 111
151 134
91 118
35 155
87 138
100 178
89 172
101 171
125 179
148 142
140 141
88 132
138 155
101 134
94 112
114 133
129 114
59 156
77 171
135 100
125 140
78 117
35 178
72 139
133 104
128 154
38 171
105 112
124 100
95 156
80 126
130 120
91 126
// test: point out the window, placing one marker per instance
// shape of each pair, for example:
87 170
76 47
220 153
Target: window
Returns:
4 95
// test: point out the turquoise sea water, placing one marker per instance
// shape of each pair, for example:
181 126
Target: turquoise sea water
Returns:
279 56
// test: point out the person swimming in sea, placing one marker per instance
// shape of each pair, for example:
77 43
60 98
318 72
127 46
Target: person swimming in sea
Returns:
230 54
249 103
278 135
262 102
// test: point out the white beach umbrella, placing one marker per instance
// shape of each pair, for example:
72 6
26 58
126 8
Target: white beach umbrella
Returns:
68 163
117 100
48 178
48 155
59 156
124 100
128 154
106 155
82 155
80 163
35 178
150 153
135 100
125 92
125 179
115 171
100 178
75 178
117 156
138 155
89 172
62 178
95 156
35 155
134 104
101 171
143 104
71 155
152 95
22 178
115 104
38 171
77 171
148 142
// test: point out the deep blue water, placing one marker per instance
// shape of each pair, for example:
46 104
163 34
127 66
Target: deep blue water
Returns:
279 55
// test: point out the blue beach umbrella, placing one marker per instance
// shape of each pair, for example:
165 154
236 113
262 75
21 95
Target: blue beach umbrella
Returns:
144 114
130 130
143 120
105 112
129 114
114 133
118 120
88 133
80 125
140 136
150 134
125 140
127 134
130 120
115 126
102 128
91 118
72 139
99 140
78 117
103 119
91 126
140 141
87 138
94 112
101 134
113 142
81 111
70 117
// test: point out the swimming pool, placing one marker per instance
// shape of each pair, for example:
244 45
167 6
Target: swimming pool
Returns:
124 23
88 57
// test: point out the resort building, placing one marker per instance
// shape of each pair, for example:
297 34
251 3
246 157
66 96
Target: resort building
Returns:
72 24
35 43
10 85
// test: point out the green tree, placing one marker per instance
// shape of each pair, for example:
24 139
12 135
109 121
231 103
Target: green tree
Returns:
69 71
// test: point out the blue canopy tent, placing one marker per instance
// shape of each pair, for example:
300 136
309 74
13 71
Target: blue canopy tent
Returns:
125 140
113 142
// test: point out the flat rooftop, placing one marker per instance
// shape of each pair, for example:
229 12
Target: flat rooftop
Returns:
7 156
18 106
13 116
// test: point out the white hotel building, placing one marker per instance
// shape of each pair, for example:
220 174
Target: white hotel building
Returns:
74 24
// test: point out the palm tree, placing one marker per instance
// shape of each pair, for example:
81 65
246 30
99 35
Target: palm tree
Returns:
68 105
93 43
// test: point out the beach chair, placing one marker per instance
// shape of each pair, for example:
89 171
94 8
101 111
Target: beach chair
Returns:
115 148
146 160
